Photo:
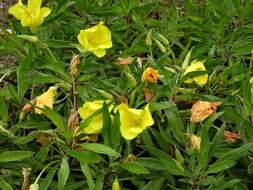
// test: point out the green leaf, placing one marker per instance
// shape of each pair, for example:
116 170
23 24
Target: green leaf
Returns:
47 180
22 73
10 156
86 171
85 156
4 185
63 173
154 184
220 165
204 149
3 109
237 153
106 130
115 133
228 185
101 149
173 166
135 167
59 122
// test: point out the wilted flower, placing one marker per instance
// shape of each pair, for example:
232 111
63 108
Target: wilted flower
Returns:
195 142
148 95
134 121
31 15
46 99
150 75
96 39
115 185
124 61
96 123
202 109
196 66
231 137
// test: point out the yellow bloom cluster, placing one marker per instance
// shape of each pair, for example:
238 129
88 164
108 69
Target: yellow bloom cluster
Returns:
133 121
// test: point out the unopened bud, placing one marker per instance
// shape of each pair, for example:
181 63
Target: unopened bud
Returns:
149 39
34 186
163 39
28 38
105 94
161 46
131 79
29 106
73 65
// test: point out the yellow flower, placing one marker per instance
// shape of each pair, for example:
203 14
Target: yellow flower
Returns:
115 185
46 99
96 123
197 66
31 15
96 39
133 121
195 141
150 75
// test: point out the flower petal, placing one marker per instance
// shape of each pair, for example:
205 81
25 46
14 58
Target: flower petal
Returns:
34 6
99 52
95 125
18 10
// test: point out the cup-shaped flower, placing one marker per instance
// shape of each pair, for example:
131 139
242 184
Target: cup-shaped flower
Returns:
45 99
134 121
197 66
96 39
88 109
31 15
150 75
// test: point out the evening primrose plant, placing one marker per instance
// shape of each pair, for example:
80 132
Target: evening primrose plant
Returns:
146 95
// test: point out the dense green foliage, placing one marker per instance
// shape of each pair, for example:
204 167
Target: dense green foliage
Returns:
161 157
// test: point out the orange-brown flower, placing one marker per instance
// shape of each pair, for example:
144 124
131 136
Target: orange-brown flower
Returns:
150 75
231 137
202 109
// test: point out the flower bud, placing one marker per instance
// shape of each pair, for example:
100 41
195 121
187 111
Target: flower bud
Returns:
131 79
162 39
28 38
149 39
73 65
160 46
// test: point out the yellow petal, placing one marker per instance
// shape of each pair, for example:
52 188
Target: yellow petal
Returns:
95 125
34 6
101 38
201 80
26 20
46 99
89 108
83 37
197 66
147 117
18 10
99 52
